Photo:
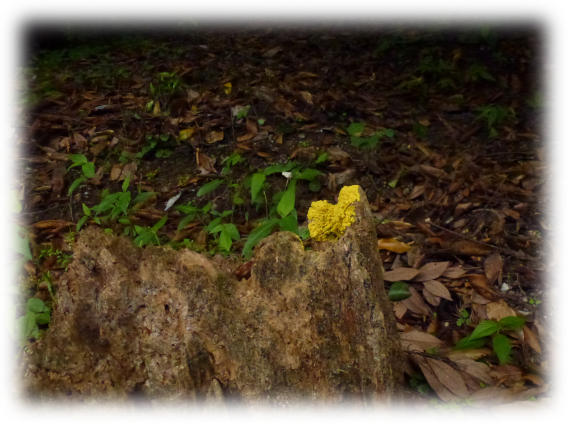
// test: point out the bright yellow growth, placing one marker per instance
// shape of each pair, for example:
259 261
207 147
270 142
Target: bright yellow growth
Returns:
328 222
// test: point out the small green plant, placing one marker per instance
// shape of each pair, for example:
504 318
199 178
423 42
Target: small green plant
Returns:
62 258
166 84
210 187
534 301
420 130
464 317
148 235
230 161
494 115
355 130
450 410
243 112
476 72
228 231
501 344
535 101
322 157
36 313
87 167
117 204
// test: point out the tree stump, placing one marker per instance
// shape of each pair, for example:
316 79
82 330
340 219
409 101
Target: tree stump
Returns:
309 326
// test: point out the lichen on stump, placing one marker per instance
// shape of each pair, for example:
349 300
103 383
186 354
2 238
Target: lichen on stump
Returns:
307 326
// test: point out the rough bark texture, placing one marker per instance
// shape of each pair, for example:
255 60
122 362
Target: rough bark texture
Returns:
153 323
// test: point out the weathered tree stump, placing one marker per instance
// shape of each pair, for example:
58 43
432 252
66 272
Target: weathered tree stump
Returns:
153 323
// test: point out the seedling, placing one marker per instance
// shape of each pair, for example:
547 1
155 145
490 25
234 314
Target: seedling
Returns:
464 317
148 235
476 71
494 115
501 344
87 167
37 313
356 129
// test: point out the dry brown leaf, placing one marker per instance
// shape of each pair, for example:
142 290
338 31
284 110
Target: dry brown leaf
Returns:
438 289
307 97
129 171
215 137
476 369
251 127
58 178
204 163
454 272
245 137
476 298
531 339
490 396
400 309
493 265
271 52
400 274
422 340
522 411
482 286
431 271
336 154
392 244
116 171
535 379
279 138
498 310
449 377
468 247
433 171
417 191
433 380
415 303
51 224
434 300
472 354
81 142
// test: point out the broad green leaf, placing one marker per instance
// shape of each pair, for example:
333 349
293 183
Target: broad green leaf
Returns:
287 202
123 201
78 160
125 184
43 318
399 291
214 224
22 245
88 169
146 237
209 187
107 203
81 222
35 305
76 183
217 228
257 182
387 132
467 344
11 272
484 328
511 323
279 168
160 223
187 209
185 221
258 234
289 223
140 198
304 232
124 221
16 205
315 186
27 325
225 241
86 210
356 129
309 174
502 347
231 229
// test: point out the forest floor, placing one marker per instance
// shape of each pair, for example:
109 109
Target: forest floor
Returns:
212 140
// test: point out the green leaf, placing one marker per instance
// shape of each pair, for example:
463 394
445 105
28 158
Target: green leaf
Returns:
258 234
355 129
22 246
124 221
125 184
309 174
304 232
187 209
16 205
467 344
502 347
322 157
35 305
225 241
257 182
27 324
81 222
86 210
146 237
11 272
76 183
289 223
159 224
217 228
123 201
279 168
107 203
287 202
185 221
89 169
399 291
214 224
232 230
315 186
484 328
43 318
140 198
78 160
209 187
511 323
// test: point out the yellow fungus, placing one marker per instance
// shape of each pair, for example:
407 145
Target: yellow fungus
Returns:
328 222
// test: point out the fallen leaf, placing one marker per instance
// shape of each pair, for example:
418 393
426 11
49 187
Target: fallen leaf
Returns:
80 142
157 109
185 134
58 178
490 396
468 354
498 310
129 171
417 191
468 247
415 303
431 271
493 265
271 52
438 289
52 224
307 97
400 274
400 309
454 272
535 379
434 381
279 138
422 340
430 298
531 339
204 163
227 88
481 285
215 137
116 171
392 244
449 377
476 369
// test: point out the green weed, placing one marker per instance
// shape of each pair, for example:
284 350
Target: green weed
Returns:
501 344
